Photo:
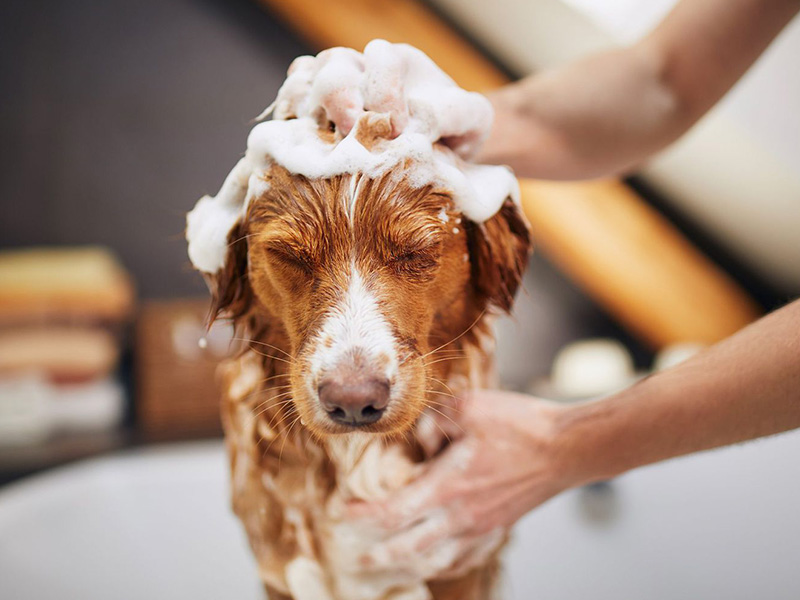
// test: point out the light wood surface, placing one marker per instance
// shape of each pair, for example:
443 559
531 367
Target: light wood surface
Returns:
353 23
606 238
633 262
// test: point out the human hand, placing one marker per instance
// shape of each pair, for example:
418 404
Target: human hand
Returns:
457 512
523 134
396 80
596 117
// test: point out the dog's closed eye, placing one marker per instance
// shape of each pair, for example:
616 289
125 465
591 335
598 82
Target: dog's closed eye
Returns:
420 261
290 256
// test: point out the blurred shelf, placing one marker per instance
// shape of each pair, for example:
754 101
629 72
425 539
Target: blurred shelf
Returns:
23 460
20 460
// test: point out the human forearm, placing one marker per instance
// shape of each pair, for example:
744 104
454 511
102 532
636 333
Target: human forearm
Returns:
606 114
704 47
743 388
595 117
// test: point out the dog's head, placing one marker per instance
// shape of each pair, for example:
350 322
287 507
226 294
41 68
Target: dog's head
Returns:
354 240
362 280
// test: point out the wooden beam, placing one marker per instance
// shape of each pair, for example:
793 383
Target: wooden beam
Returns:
621 251
353 23
633 262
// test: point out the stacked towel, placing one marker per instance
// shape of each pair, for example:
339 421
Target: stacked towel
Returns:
62 314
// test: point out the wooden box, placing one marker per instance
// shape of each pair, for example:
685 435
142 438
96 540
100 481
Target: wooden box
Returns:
177 394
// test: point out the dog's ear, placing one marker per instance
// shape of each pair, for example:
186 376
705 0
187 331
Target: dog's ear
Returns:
499 251
231 294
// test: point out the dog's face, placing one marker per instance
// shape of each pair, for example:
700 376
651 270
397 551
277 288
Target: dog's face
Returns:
364 279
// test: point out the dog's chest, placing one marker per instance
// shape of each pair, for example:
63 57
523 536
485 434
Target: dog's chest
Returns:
290 495
290 491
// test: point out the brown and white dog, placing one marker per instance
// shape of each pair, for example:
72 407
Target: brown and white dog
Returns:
363 307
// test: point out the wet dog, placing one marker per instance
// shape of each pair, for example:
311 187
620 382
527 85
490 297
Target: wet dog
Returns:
362 302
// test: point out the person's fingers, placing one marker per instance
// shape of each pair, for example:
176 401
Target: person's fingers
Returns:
430 434
433 488
462 119
385 72
424 496
343 107
296 87
436 429
356 510
301 63
404 547
475 408
407 506
434 548
465 145
476 552
337 88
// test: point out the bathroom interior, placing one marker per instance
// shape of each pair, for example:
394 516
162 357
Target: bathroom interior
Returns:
118 116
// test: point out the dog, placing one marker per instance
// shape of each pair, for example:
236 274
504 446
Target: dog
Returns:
362 303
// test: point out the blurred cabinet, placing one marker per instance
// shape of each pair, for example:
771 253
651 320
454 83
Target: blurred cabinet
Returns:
175 363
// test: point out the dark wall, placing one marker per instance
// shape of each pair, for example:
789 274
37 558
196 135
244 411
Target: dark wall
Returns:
116 116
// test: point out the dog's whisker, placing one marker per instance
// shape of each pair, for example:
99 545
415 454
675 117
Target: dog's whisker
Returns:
274 377
305 446
460 351
273 357
280 404
237 240
442 394
257 392
260 343
475 322
442 428
276 404
446 416
440 361
285 417
443 384
442 404
442 349
446 406
287 386
440 358
286 437
444 359
272 388
282 417
246 399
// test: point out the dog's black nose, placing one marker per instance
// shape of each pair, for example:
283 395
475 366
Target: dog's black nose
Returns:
358 401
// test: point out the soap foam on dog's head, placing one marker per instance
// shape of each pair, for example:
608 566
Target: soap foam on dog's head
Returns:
435 126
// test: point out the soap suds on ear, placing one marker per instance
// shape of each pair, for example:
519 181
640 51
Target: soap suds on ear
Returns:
436 127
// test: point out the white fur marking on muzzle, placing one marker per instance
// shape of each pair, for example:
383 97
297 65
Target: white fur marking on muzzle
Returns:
355 326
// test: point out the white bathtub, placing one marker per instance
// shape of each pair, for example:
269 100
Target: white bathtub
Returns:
155 524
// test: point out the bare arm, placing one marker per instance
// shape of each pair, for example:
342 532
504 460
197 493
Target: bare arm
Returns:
606 114
517 452
745 387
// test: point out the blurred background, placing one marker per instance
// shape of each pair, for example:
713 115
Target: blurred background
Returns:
117 116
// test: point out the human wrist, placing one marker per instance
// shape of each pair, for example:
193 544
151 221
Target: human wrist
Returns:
504 137
552 437
588 447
